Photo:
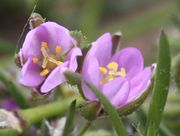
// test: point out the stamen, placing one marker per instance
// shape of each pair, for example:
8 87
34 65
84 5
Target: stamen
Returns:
44 52
44 63
58 49
59 62
44 45
103 70
122 72
107 79
35 60
112 66
44 72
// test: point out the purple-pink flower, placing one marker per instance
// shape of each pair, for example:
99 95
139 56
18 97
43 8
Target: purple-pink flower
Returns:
121 77
47 51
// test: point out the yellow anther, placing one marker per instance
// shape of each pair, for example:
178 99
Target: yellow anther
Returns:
122 72
35 59
58 49
44 45
44 72
103 70
59 62
112 66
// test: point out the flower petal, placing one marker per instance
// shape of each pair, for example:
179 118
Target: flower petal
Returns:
72 58
90 73
50 32
30 74
131 59
102 49
58 36
55 78
140 83
121 96
111 88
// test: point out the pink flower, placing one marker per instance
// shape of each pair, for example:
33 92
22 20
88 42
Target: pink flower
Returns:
121 77
47 51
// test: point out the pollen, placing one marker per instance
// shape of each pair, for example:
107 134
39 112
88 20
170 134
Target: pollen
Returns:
58 49
112 66
44 72
103 70
44 45
122 72
59 62
35 59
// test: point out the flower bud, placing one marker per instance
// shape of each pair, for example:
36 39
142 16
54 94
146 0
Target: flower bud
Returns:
35 20
90 110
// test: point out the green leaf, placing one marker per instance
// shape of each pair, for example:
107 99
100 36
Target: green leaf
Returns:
14 91
109 108
80 38
161 87
70 119
74 79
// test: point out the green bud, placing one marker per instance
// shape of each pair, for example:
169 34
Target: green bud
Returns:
35 20
90 110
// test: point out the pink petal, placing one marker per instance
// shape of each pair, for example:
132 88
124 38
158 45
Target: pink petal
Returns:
90 73
101 49
121 96
140 83
55 78
30 74
72 58
112 87
131 59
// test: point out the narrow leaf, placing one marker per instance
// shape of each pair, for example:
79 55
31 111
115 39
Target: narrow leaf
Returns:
14 91
161 87
70 119
113 114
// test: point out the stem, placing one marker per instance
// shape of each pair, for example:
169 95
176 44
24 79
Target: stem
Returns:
37 114
8 132
85 128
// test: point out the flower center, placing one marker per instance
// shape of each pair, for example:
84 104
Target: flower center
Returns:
49 62
111 72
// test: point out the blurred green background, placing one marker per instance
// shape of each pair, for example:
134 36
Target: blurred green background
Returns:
140 22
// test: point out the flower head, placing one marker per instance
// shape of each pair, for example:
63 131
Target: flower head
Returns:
47 51
121 77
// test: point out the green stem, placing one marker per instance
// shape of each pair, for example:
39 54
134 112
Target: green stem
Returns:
13 90
85 128
8 132
37 114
